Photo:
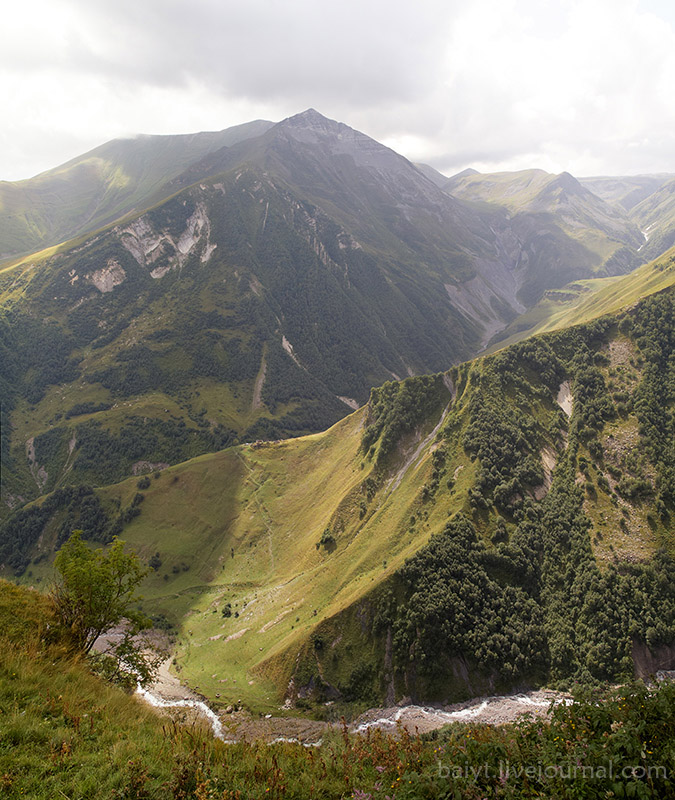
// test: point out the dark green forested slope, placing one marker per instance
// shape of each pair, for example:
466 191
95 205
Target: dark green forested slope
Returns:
559 566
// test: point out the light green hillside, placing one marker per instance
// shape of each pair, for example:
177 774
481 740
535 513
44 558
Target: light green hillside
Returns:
515 190
102 185
257 513
584 300
656 217
626 191
241 527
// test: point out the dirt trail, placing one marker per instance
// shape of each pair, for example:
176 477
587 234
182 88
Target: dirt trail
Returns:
264 516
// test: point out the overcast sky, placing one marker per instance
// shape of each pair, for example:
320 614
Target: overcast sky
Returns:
586 86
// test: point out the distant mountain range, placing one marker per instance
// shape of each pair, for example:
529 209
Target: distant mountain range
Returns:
166 296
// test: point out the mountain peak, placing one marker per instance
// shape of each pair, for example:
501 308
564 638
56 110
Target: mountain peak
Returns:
465 173
567 182
335 139
308 113
311 119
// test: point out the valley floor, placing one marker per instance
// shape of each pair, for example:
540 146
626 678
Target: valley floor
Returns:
234 725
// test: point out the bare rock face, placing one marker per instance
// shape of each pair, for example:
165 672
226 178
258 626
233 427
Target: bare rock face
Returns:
147 245
108 277
564 398
647 662
38 472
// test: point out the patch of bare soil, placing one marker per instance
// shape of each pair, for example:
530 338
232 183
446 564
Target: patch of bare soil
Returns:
621 352
564 398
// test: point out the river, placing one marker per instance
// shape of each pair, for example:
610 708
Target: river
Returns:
240 725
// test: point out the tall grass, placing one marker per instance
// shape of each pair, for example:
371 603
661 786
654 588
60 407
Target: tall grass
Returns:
65 734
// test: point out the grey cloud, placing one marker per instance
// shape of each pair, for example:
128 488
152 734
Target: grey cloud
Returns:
493 82
355 52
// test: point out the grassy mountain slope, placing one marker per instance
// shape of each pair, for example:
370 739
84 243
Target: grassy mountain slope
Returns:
656 217
456 536
64 732
583 301
625 191
562 226
271 316
233 527
62 728
100 186
283 277
241 308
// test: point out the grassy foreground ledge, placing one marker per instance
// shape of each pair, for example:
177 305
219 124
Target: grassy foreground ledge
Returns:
64 733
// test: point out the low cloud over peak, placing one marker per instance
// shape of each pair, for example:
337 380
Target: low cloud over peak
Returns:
497 84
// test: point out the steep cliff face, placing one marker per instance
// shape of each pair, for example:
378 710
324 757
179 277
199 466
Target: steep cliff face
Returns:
148 246
649 662
564 231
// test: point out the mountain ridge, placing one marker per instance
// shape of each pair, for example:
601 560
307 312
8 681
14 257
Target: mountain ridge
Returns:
281 278
105 184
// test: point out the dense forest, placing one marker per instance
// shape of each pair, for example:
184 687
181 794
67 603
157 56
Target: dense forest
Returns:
512 587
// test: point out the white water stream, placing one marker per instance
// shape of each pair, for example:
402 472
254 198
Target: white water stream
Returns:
198 705
491 710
